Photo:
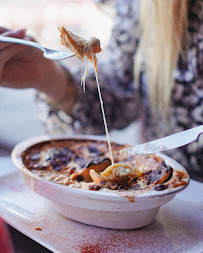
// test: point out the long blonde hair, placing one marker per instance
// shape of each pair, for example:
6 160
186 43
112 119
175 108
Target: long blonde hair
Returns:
163 29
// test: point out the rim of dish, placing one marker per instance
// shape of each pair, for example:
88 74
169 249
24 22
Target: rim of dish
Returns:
105 194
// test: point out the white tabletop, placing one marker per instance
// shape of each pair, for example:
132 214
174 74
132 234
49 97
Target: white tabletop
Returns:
178 226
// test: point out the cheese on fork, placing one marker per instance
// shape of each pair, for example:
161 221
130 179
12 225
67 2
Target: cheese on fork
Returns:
86 49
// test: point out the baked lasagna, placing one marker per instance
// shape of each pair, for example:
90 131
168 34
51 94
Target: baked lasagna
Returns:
85 164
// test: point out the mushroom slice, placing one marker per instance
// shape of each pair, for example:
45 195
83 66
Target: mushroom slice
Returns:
97 167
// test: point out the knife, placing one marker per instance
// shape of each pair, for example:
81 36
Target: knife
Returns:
166 143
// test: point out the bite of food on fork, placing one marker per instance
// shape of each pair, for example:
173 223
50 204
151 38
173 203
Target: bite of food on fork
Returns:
79 46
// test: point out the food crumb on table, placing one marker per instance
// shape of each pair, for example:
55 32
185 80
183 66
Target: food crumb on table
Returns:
37 228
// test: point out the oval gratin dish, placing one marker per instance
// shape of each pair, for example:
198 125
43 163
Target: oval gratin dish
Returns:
108 209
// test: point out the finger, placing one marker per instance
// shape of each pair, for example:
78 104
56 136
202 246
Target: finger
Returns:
30 38
33 53
20 33
3 29
9 52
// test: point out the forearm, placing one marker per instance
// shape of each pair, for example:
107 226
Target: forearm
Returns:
59 86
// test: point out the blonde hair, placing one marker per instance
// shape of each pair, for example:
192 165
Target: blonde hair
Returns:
163 26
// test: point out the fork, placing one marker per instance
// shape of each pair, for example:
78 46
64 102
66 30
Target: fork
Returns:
48 53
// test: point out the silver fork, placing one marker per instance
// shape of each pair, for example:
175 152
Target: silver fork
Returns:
48 53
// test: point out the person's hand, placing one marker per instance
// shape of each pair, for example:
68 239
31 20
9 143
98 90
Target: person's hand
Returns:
20 66
23 66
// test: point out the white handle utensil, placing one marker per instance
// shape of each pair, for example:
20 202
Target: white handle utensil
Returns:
166 143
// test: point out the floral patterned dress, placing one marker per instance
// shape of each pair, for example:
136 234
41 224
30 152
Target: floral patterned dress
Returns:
126 101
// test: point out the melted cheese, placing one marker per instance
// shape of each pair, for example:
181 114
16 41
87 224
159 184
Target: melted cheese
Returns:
85 50
103 112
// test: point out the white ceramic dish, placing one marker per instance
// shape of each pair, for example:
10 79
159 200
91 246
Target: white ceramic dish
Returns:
103 209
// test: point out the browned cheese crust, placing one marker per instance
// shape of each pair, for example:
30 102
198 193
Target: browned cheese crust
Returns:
69 162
